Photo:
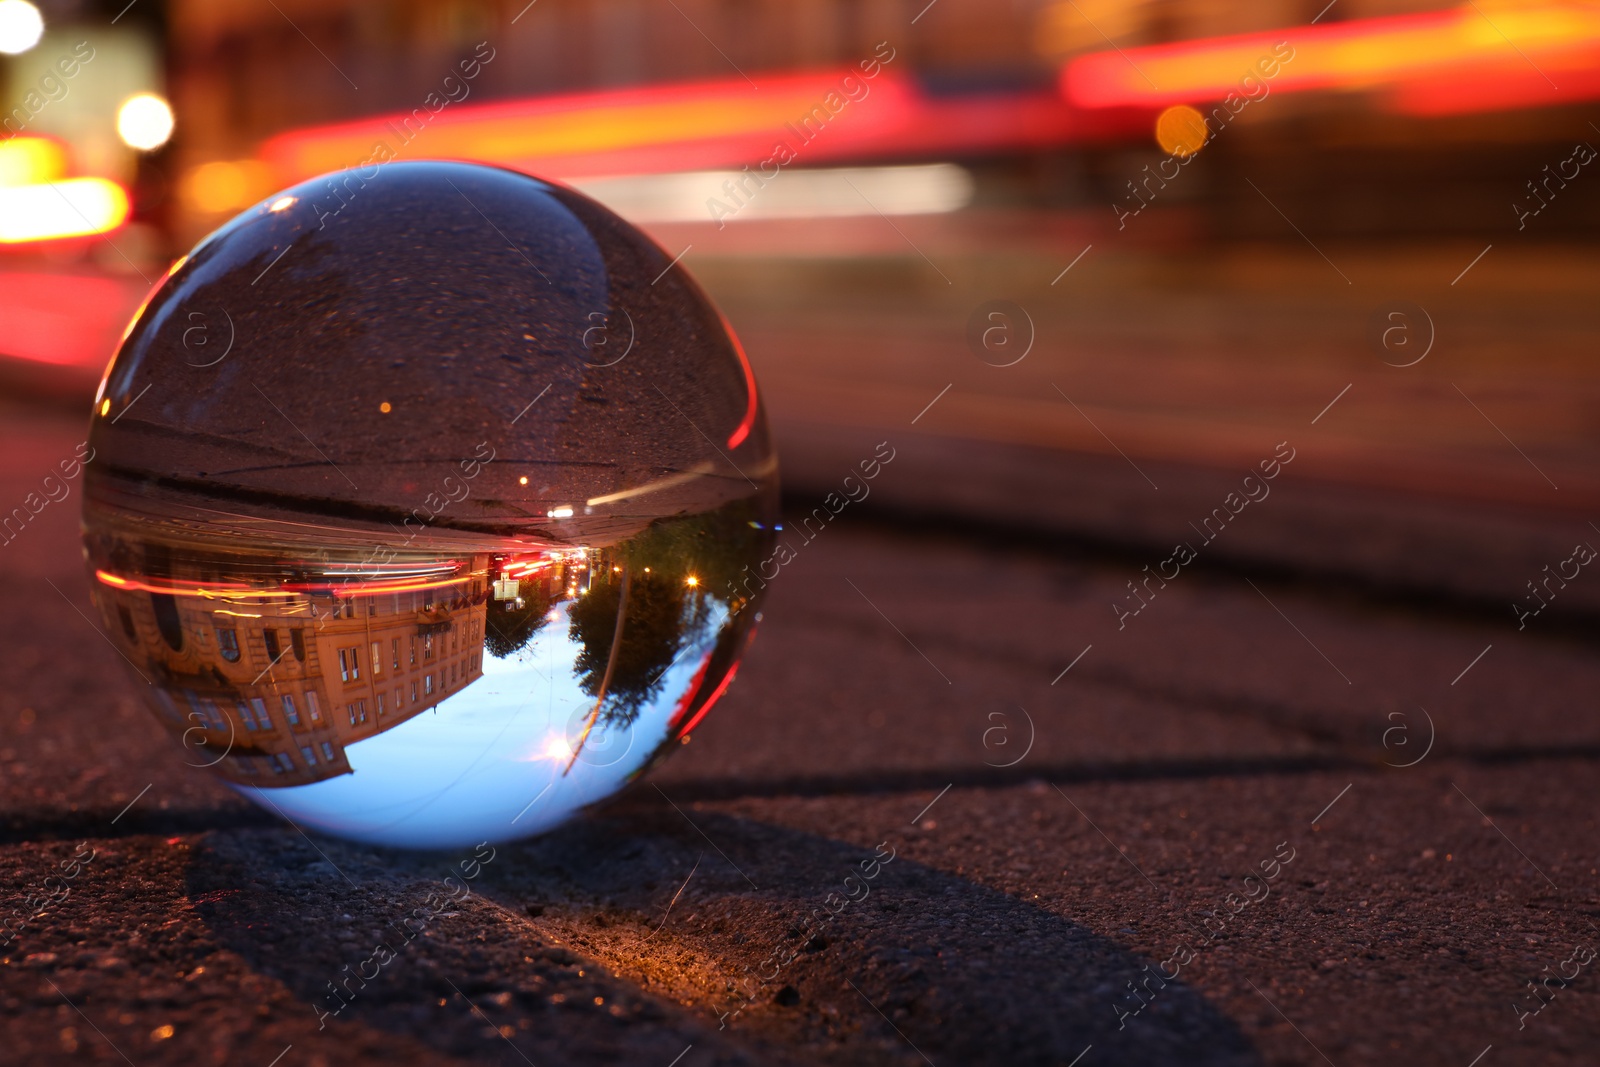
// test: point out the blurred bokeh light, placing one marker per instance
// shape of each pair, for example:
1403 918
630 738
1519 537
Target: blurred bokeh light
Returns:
21 26
144 121
1181 130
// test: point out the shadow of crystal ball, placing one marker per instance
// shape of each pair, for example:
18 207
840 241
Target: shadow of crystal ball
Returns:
429 503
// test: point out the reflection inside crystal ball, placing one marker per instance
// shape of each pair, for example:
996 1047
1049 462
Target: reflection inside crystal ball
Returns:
428 504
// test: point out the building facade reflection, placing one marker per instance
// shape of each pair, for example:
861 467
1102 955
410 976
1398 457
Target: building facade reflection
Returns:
270 688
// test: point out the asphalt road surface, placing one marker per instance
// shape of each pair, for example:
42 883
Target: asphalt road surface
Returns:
953 811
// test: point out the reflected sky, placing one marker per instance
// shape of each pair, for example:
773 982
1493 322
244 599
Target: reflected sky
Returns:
488 762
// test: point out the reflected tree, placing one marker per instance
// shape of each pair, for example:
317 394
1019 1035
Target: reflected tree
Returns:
508 628
667 582
651 631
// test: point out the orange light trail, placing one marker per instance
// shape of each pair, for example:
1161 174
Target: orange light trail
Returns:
233 591
689 126
1441 49
399 585
522 570
575 125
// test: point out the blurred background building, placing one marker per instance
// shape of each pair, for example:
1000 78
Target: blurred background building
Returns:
1200 205
1045 104
133 128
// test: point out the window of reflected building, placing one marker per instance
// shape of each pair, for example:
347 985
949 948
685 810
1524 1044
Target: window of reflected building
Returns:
350 664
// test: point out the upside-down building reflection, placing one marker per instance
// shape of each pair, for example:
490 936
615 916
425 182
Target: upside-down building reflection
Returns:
270 686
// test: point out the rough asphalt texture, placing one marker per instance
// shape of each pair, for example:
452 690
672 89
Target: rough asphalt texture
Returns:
1224 729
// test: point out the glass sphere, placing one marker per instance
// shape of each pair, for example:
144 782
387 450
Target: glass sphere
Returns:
428 503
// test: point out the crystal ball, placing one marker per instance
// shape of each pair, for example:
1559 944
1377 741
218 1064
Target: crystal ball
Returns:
429 504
